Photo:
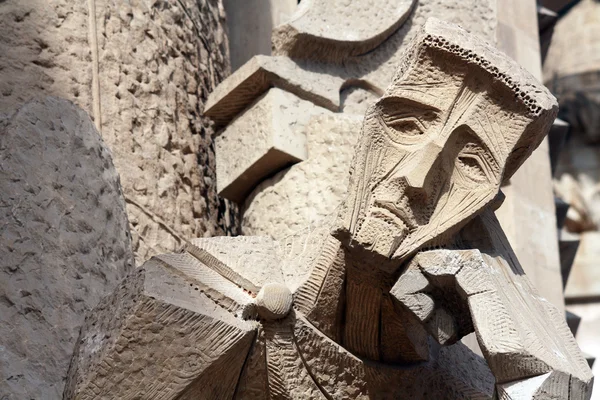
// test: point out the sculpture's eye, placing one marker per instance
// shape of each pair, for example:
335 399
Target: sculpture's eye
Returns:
475 165
405 120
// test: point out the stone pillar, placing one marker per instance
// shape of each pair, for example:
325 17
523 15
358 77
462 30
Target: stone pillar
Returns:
142 70
528 214
249 26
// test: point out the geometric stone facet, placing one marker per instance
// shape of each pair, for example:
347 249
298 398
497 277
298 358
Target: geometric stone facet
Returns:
263 139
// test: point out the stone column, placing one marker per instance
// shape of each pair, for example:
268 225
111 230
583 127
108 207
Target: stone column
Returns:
528 215
142 70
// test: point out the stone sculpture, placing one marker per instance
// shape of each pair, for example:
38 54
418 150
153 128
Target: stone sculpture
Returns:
344 310
65 241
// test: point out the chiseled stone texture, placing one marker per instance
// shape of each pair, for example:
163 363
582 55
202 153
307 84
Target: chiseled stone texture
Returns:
65 241
306 193
157 62
44 47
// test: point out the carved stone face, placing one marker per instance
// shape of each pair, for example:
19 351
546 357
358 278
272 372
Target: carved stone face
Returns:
432 154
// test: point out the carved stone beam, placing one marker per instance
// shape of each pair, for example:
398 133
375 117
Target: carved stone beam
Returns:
263 107
266 137
334 30
259 74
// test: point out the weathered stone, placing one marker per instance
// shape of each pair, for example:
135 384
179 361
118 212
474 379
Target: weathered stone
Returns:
321 30
313 188
275 207
65 241
249 26
159 335
157 63
45 51
261 73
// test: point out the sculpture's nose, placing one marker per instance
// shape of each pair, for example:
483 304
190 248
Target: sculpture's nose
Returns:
416 178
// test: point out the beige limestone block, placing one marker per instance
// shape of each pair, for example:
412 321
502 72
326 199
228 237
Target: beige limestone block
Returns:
266 137
378 67
529 195
261 73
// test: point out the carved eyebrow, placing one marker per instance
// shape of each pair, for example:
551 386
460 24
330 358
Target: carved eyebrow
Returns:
406 106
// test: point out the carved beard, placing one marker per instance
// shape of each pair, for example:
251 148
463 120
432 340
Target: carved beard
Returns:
449 216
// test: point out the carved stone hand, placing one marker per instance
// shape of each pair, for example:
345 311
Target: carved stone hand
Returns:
524 338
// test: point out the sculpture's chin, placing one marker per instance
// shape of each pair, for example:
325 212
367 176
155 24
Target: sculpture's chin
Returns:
377 235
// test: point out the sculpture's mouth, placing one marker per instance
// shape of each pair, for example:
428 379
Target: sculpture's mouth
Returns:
401 214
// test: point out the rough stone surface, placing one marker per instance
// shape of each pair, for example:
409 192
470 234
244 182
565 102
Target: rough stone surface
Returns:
249 25
143 74
45 51
305 194
159 336
335 30
65 241
329 308
157 63
275 206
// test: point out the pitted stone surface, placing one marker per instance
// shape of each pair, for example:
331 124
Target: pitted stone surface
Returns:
157 61
65 241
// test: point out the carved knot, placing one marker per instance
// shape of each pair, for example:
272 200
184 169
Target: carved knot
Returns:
274 301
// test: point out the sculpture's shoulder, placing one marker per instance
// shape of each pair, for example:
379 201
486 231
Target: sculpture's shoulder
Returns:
254 259
258 260
300 252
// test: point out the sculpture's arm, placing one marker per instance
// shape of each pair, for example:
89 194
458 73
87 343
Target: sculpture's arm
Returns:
524 338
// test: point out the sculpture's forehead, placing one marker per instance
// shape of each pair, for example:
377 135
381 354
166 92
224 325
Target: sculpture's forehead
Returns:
461 99
430 83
